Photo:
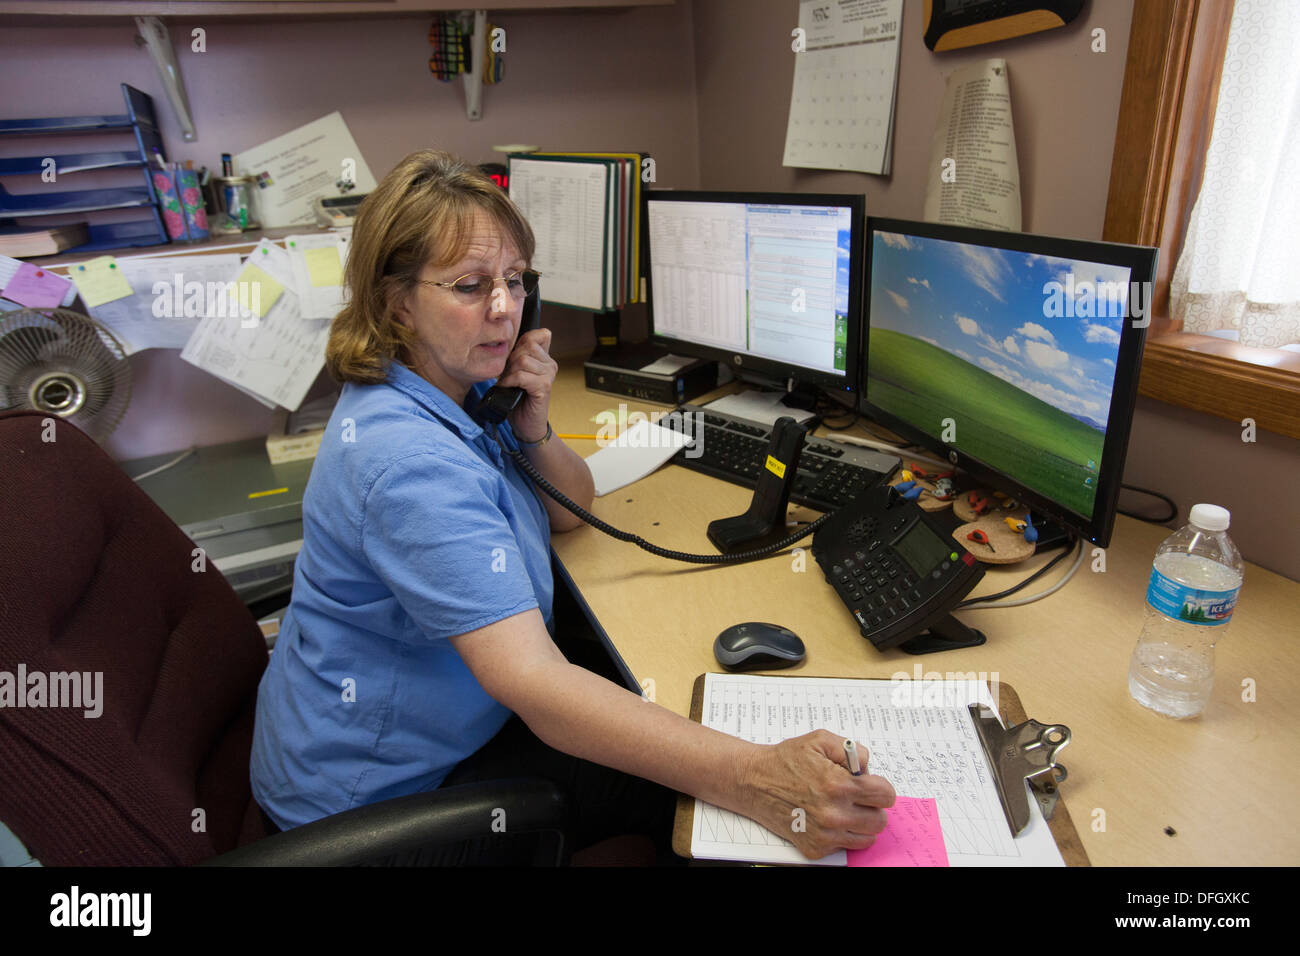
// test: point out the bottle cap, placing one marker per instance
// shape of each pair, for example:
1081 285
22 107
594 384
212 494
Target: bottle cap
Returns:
1211 517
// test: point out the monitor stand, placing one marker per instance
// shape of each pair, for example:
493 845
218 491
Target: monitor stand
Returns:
803 397
1050 534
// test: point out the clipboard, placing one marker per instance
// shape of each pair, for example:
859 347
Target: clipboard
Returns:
1012 712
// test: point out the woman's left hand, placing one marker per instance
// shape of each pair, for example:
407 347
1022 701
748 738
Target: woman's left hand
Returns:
531 368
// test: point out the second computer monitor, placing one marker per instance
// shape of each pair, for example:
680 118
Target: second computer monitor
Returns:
1013 356
769 283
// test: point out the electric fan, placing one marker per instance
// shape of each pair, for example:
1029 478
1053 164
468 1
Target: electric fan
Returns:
66 364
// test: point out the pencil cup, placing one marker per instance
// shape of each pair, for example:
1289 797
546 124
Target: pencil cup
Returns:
182 204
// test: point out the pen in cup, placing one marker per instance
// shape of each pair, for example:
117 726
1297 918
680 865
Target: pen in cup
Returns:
851 751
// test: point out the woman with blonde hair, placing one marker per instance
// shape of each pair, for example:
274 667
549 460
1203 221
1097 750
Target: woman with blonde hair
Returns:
421 617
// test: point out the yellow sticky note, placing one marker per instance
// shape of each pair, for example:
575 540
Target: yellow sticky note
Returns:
256 291
775 467
323 266
100 281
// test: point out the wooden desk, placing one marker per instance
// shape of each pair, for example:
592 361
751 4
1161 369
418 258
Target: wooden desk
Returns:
1224 782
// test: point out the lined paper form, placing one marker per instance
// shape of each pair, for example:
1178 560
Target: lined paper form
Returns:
918 735
567 203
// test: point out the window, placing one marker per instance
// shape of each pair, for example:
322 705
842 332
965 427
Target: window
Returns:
1171 83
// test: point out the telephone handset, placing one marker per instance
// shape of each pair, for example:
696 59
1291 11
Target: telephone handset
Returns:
500 400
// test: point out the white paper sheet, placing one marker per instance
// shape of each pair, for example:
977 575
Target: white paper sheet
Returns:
842 101
172 295
667 365
565 203
918 735
974 177
297 167
755 406
316 301
279 357
637 452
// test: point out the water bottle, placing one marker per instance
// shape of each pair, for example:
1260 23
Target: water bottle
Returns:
1195 578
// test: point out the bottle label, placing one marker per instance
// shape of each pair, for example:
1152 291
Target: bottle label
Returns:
1193 605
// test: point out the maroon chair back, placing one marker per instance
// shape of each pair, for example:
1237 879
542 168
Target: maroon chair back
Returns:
98 585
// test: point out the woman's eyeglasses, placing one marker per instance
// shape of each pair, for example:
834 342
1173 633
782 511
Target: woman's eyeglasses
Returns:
475 287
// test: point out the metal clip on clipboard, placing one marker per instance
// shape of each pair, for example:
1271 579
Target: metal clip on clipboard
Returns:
1025 752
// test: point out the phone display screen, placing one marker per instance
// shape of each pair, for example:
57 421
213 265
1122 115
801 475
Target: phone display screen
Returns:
921 548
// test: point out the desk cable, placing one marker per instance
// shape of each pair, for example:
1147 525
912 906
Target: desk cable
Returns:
163 467
737 558
993 600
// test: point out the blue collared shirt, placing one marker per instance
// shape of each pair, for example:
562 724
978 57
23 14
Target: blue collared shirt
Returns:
415 529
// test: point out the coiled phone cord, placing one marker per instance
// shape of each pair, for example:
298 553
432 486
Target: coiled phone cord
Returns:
527 467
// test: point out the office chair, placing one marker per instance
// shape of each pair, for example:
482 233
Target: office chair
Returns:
95 578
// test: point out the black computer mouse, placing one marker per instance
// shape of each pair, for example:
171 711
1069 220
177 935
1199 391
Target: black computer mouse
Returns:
757 646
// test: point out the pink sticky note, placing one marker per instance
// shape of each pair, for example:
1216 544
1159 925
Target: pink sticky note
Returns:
36 288
911 838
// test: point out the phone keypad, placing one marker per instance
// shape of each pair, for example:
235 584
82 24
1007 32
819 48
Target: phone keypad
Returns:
876 584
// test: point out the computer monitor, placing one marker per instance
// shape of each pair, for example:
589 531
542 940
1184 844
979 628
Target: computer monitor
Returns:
768 283
1014 357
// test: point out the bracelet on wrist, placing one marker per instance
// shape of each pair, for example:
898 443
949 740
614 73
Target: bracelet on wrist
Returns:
536 444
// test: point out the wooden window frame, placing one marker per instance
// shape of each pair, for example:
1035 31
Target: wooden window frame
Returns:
1171 87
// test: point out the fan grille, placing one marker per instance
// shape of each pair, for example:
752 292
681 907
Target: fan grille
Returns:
66 364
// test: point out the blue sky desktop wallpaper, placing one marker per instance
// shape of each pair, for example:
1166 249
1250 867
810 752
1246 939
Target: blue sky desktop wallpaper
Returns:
988 306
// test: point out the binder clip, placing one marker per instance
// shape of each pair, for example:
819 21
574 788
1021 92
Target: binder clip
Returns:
1025 752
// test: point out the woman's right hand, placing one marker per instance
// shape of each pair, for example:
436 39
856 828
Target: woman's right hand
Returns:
801 789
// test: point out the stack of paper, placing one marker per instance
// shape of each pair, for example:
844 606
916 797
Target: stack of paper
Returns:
585 210
258 324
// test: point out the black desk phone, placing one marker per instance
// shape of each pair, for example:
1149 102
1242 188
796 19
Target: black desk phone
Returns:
899 572
499 401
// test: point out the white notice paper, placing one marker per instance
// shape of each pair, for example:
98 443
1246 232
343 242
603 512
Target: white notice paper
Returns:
318 261
974 177
667 365
277 356
842 102
172 296
637 452
293 169
919 737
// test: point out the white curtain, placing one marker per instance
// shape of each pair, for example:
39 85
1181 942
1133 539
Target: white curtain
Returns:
1240 267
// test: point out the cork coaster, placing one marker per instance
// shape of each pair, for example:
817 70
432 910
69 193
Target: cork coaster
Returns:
1009 547
964 510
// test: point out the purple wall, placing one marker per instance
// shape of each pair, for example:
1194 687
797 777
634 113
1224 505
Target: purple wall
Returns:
589 80
703 86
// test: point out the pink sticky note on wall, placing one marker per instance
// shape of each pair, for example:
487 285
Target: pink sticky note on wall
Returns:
36 288
911 838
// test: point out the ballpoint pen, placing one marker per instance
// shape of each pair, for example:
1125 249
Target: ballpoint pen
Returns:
851 751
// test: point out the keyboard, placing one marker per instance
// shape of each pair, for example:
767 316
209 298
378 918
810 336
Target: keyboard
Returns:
734 449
